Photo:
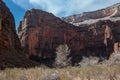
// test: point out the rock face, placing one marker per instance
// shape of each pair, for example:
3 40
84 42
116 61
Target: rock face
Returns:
109 16
41 32
11 54
109 13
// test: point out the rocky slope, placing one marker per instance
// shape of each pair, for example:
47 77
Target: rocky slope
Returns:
11 54
109 13
41 32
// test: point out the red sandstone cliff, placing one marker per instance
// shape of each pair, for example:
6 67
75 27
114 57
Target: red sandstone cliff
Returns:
111 15
11 54
41 32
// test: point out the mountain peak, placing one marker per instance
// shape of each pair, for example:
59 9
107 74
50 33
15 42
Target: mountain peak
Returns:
37 12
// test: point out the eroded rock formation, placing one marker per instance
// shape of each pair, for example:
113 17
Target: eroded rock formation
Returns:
41 32
109 13
11 54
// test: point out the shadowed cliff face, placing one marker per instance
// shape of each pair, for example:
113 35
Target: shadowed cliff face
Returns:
11 54
41 32
8 37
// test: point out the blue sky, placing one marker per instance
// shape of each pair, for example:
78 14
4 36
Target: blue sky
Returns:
60 8
17 11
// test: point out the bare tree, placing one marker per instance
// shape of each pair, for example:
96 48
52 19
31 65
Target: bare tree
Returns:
62 59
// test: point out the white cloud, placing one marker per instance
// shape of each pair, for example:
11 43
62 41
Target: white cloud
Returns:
23 3
65 7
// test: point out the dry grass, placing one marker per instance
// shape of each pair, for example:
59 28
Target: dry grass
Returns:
70 73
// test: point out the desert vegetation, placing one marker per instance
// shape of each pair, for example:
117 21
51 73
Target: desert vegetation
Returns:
62 56
90 69
99 72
